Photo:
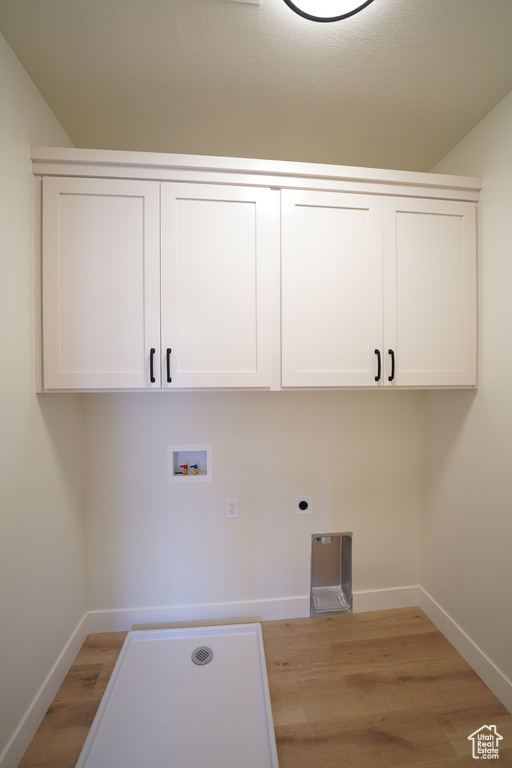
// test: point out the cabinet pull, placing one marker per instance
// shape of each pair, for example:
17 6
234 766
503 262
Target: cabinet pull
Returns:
391 352
151 364
377 352
169 378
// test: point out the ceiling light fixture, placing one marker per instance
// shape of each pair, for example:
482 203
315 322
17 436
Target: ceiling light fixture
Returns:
327 10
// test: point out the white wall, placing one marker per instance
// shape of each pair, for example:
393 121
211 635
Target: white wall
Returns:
467 530
42 593
150 543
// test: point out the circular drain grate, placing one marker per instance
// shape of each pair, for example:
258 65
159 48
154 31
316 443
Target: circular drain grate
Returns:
202 655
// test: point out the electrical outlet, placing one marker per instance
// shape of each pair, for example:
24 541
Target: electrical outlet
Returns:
303 505
231 508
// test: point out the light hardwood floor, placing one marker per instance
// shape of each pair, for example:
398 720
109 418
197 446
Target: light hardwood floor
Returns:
370 690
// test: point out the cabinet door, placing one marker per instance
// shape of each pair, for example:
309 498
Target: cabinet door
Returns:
331 289
219 244
100 271
430 292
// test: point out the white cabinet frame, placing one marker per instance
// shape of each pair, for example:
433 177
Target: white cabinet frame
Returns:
218 257
430 307
101 283
332 311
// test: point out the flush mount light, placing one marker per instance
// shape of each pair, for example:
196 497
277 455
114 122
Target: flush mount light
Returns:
327 10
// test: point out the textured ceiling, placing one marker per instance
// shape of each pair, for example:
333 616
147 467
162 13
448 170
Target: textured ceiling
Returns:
396 86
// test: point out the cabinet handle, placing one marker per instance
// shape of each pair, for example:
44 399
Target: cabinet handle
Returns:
169 378
377 352
391 352
151 364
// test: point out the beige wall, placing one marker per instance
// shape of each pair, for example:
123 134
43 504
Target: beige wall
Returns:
150 543
467 528
42 594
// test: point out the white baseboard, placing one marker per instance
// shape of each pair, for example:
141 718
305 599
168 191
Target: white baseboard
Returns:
214 613
30 722
124 620
384 599
494 679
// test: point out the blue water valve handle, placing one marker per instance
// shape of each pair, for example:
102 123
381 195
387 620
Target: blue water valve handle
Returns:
193 467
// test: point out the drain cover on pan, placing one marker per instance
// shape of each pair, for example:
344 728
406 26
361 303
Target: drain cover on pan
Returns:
202 655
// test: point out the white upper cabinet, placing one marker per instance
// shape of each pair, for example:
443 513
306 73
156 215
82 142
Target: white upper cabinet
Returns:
219 252
172 272
138 297
101 283
332 309
430 292
377 291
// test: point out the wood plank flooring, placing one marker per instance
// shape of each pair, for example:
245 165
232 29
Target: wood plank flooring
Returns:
370 690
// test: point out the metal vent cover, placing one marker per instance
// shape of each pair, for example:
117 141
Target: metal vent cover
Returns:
202 655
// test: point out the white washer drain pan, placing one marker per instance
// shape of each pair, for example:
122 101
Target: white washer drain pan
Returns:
162 710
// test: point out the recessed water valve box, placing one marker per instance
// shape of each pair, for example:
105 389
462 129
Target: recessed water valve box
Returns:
331 573
189 464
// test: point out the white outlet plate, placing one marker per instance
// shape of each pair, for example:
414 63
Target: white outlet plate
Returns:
231 508
299 502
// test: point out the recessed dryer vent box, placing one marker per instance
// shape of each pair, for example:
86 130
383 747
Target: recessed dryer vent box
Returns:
189 463
331 573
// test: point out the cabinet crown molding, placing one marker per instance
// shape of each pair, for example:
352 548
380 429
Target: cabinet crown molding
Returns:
283 174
